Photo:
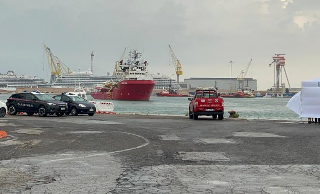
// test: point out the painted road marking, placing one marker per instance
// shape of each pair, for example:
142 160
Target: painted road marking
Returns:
258 134
29 131
170 137
214 140
203 156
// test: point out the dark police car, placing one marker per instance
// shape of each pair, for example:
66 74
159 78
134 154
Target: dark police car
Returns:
35 102
76 104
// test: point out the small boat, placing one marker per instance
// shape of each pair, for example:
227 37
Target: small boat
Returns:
166 93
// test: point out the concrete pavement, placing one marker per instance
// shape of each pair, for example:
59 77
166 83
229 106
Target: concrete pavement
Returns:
157 154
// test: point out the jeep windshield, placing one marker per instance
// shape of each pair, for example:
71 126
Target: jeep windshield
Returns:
43 97
206 94
77 99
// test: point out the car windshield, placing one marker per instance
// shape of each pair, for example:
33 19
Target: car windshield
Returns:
77 99
43 97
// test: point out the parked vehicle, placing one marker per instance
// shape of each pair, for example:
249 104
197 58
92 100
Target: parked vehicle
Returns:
35 102
76 104
206 101
3 109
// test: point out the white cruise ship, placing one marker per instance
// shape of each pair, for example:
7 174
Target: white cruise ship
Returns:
164 82
85 78
11 81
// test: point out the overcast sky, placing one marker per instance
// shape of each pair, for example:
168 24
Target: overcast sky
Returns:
204 34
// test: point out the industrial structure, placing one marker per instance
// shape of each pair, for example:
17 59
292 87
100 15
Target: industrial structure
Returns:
222 84
176 63
279 63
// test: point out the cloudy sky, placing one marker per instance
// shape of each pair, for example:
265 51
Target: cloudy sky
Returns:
205 35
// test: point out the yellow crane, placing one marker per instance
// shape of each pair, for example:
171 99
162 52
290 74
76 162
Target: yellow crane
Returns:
116 66
243 75
176 63
55 64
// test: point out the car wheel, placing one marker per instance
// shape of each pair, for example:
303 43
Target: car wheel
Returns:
42 112
214 116
12 110
59 114
220 117
190 115
91 114
74 111
195 116
2 112
30 113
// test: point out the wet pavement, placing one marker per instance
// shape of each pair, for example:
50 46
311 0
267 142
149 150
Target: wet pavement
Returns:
157 154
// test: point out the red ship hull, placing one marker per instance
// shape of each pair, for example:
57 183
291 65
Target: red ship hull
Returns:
131 90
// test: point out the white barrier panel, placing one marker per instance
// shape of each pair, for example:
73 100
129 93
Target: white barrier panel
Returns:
103 106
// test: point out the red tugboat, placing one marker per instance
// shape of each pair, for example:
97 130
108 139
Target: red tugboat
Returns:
135 83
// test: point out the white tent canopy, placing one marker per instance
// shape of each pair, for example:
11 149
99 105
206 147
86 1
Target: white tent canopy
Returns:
307 102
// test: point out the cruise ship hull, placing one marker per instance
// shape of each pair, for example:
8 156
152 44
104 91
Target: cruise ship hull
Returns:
130 90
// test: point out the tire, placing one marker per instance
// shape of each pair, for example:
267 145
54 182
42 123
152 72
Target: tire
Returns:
214 116
42 112
30 113
12 110
195 116
74 111
2 112
59 114
90 114
220 117
190 115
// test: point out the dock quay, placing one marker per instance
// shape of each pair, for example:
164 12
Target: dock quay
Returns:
157 154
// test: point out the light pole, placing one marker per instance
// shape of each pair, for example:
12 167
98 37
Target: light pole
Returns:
231 74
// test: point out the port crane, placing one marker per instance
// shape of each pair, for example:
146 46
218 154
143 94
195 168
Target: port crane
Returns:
242 76
279 63
176 63
116 66
56 66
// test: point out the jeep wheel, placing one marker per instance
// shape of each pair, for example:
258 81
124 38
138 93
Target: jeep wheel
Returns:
214 116
42 111
30 113
220 117
90 114
59 114
74 111
12 110
2 112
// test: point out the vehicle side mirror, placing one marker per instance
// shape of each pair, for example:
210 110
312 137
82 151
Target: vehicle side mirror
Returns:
190 99
33 99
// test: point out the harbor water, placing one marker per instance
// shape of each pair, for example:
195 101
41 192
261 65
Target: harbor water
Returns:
249 108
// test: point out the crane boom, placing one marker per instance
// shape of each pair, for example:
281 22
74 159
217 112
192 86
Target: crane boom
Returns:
176 64
55 64
116 66
247 68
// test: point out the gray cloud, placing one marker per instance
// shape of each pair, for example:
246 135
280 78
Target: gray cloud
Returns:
205 35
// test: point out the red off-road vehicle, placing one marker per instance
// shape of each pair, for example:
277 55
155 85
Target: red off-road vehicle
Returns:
206 101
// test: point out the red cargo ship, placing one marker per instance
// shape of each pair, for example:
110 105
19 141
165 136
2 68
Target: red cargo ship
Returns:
135 84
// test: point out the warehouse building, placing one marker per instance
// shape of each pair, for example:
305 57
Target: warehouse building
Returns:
223 84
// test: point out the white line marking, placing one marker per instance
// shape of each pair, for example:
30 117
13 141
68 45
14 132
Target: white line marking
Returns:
107 153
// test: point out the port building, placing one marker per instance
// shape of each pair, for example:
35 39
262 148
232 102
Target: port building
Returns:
222 84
